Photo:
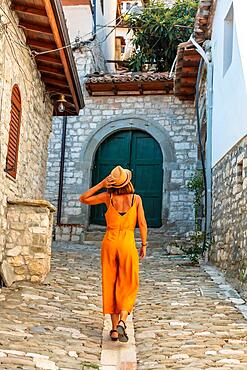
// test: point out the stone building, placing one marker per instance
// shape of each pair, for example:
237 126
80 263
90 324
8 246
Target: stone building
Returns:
129 119
223 127
229 218
30 91
229 144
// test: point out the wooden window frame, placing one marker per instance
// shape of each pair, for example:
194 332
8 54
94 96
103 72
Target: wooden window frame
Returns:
14 132
228 39
102 7
240 175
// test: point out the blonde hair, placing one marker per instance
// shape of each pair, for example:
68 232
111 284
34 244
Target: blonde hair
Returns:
127 189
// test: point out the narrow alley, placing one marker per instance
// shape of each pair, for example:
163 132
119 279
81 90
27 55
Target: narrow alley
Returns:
123 118
186 317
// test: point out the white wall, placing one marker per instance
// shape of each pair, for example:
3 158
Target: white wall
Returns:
79 21
129 47
107 42
229 90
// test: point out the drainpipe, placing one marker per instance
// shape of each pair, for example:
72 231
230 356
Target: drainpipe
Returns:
61 173
94 18
209 109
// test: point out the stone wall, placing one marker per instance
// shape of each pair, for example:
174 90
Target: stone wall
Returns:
28 241
89 59
229 217
166 118
17 67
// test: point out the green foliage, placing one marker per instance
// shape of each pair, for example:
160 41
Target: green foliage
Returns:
195 250
196 184
243 271
243 275
157 32
89 366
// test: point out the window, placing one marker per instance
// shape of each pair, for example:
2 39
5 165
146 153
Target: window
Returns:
228 40
240 175
102 6
14 132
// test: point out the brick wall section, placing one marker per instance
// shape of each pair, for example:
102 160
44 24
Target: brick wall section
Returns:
176 117
17 67
28 239
229 218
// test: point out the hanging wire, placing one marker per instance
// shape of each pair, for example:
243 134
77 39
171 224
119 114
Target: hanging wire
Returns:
16 59
34 53
16 27
74 43
19 45
3 66
117 24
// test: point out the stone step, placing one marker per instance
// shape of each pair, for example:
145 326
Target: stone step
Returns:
96 240
151 231
156 239
97 235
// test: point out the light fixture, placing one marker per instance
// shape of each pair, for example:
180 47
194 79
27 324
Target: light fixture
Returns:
61 103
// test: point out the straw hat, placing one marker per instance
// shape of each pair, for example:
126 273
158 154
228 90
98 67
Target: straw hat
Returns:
122 176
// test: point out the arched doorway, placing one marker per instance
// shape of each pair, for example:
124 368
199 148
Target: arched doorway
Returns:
140 152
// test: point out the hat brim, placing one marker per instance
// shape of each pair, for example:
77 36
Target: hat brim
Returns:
127 180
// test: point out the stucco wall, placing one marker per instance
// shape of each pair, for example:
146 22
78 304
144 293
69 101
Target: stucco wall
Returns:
106 35
79 20
17 67
229 89
229 217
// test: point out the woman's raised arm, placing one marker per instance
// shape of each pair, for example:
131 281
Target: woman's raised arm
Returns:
89 198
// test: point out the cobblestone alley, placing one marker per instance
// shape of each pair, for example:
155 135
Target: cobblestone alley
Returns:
185 318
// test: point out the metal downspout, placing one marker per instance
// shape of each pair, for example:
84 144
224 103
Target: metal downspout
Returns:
61 173
209 108
94 17
198 122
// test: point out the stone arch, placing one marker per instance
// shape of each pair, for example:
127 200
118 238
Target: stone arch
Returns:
120 123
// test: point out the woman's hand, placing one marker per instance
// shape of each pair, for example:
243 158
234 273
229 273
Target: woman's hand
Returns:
108 182
89 196
143 251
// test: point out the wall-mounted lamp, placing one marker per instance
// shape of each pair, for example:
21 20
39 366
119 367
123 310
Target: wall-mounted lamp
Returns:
61 101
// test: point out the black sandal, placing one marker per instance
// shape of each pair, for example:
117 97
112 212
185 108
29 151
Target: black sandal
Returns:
122 335
113 338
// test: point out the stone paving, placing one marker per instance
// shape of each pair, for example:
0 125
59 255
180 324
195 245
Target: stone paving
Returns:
116 355
185 320
186 317
57 325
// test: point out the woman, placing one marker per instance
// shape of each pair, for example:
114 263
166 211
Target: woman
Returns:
119 256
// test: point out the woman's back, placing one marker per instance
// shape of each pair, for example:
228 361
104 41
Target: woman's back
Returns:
123 202
121 212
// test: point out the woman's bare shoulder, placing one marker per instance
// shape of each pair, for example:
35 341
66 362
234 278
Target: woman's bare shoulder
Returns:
138 198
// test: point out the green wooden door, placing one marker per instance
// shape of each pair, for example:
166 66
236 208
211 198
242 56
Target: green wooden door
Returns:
139 152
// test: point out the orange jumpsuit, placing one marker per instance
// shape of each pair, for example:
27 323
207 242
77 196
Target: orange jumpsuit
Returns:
120 261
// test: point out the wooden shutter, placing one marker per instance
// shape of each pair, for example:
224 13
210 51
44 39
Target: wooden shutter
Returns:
14 132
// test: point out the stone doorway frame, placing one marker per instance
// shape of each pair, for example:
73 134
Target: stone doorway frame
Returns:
120 123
